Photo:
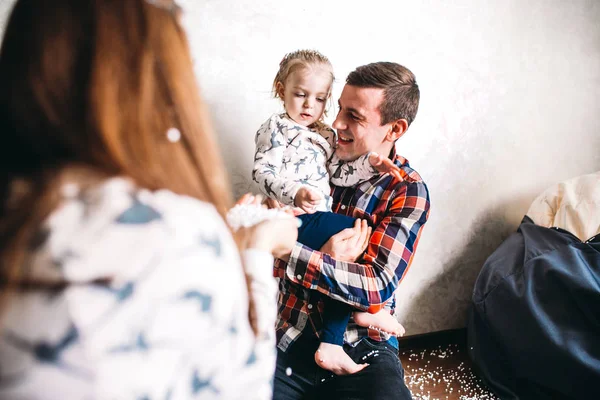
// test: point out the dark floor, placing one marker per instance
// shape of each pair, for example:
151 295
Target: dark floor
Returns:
437 366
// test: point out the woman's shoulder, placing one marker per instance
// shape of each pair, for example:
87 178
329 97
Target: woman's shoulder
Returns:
98 230
167 289
119 201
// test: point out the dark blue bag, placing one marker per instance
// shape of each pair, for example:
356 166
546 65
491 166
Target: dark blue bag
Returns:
534 323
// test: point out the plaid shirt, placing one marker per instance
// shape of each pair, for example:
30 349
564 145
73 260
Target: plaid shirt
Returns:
397 211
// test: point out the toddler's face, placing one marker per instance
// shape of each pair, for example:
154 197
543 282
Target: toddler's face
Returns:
305 93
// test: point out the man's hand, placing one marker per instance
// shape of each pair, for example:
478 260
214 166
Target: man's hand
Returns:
349 244
384 165
307 200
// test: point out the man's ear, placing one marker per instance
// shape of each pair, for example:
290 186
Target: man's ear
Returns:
399 127
279 89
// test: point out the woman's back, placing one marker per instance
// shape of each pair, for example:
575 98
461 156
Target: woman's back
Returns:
150 302
107 290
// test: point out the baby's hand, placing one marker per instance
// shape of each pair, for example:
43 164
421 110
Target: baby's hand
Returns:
384 165
307 200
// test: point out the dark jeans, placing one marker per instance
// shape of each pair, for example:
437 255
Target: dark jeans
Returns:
316 229
383 379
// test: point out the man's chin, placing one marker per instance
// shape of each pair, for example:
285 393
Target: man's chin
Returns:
346 157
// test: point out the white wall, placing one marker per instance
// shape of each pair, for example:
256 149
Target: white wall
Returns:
510 99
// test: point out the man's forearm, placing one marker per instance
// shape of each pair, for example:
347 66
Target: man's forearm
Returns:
364 286
367 284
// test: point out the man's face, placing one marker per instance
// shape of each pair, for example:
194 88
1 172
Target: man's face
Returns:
358 124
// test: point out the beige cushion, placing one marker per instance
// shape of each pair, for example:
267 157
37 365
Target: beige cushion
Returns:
573 205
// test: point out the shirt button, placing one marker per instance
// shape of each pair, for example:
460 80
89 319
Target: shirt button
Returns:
343 207
310 306
299 277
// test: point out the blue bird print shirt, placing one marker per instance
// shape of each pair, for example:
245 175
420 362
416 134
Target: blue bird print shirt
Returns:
153 304
290 156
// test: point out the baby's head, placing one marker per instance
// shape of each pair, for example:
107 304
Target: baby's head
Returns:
303 83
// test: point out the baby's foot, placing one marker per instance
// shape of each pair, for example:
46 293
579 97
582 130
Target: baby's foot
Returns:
333 358
382 321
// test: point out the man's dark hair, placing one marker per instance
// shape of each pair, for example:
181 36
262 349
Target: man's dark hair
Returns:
400 89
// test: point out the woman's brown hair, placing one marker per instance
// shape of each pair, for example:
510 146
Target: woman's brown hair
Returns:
89 90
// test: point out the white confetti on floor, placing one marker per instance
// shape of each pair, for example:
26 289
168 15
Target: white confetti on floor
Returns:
443 373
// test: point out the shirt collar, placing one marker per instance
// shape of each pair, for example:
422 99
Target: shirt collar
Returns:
398 159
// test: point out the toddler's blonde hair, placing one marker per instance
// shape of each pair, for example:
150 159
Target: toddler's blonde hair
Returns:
298 60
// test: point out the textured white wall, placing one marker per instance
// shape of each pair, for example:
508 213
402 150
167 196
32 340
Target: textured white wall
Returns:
510 99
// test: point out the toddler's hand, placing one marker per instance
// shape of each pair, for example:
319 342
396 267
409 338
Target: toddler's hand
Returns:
307 200
384 165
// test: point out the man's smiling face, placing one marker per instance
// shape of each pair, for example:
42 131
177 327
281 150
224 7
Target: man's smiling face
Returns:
358 123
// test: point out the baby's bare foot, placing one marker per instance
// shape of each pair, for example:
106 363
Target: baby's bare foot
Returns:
382 321
333 358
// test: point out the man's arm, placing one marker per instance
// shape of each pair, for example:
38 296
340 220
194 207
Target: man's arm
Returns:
368 284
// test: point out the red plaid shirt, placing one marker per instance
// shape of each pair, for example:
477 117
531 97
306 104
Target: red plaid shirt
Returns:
397 211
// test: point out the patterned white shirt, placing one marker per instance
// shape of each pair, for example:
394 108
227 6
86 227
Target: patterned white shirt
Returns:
289 156
155 306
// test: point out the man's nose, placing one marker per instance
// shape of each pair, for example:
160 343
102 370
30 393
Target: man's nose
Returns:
338 123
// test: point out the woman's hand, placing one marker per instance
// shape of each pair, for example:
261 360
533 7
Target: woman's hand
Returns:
349 244
277 236
272 203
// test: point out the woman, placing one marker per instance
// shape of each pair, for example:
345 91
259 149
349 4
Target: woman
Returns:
119 277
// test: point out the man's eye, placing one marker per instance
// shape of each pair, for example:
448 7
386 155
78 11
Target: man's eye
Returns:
354 117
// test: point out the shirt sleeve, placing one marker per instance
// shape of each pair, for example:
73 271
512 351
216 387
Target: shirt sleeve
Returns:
368 284
263 292
270 148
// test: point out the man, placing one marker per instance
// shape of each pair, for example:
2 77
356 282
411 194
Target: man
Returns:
377 105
